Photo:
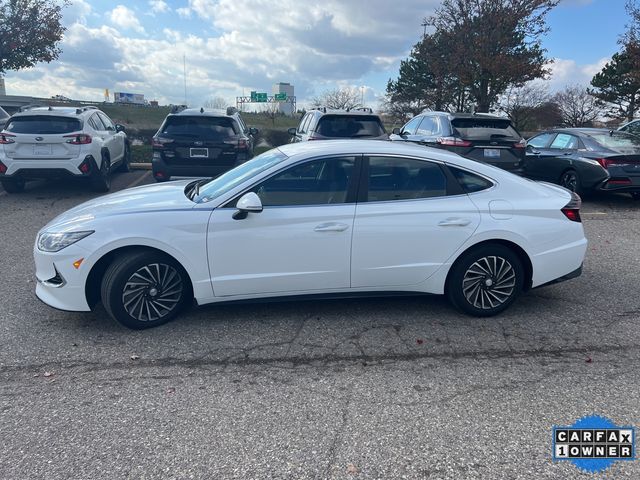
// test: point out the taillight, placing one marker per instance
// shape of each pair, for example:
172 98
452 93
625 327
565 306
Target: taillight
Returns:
3 168
453 142
572 209
604 162
5 138
240 144
521 144
160 142
78 139
619 181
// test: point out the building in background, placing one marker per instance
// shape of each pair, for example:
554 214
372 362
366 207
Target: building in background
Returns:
284 88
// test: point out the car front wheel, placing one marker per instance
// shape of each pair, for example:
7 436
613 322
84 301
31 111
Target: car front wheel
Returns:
485 281
145 289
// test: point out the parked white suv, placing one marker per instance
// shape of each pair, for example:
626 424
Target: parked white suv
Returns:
49 142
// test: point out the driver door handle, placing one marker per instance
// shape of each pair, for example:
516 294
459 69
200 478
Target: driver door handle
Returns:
331 227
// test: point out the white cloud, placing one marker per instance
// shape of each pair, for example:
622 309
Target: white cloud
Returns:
125 18
77 11
184 12
159 6
568 72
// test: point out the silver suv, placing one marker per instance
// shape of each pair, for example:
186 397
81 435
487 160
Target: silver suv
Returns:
50 142
325 124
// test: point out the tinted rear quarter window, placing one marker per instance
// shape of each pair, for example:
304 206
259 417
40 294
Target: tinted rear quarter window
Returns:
484 128
616 140
470 182
211 128
43 125
350 126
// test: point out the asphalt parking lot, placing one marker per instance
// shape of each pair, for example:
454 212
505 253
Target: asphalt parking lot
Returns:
376 388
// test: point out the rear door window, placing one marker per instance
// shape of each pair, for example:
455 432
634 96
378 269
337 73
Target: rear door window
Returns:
350 126
393 178
99 124
564 141
478 128
107 121
209 128
43 125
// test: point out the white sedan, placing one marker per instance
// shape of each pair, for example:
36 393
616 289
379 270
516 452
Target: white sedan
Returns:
332 218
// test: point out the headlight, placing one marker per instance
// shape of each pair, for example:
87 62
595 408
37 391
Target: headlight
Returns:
54 242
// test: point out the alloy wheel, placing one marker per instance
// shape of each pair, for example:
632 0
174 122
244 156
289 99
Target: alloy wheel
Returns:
489 282
570 180
152 292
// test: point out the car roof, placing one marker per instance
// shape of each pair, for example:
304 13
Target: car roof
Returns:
350 111
74 112
455 115
580 131
203 112
383 147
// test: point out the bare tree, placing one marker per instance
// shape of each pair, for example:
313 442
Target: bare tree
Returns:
577 106
338 99
216 102
522 103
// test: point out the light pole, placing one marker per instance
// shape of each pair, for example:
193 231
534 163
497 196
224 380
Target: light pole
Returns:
362 95
424 33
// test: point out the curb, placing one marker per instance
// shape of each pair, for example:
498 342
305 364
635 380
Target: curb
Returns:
140 166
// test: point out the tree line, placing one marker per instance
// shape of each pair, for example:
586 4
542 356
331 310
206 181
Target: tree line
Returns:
486 56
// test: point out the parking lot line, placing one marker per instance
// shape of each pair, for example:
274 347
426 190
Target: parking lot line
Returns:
139 180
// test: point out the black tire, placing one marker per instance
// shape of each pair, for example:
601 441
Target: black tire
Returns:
145 289
485 281
125 166
101 179
570 179
13 185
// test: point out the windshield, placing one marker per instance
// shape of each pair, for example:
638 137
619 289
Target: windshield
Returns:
616 140
231 179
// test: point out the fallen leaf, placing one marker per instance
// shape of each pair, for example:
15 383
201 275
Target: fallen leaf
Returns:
171 390
135 357
49 374
588 360
36 375
419 341
352 469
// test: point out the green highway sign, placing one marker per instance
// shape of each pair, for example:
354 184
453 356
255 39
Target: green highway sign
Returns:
280 97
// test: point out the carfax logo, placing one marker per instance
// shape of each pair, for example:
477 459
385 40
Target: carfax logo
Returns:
593 443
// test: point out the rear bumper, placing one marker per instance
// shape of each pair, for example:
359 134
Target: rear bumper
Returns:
162 169
35 169
575 274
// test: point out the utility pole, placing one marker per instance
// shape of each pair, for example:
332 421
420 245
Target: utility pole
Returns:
424 33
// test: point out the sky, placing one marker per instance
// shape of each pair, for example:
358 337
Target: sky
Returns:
231 47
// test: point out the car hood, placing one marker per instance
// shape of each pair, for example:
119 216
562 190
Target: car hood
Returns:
148 198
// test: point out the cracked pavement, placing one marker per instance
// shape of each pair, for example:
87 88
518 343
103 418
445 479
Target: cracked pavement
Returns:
367 388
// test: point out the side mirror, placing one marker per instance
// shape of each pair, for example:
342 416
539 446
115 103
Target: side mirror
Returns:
249 202
292 131
120 128
254 131
396 131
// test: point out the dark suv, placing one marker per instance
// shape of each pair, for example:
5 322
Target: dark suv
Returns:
481 137
324 124
201 142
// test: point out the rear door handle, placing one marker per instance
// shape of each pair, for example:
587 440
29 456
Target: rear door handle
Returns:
454 222
331 227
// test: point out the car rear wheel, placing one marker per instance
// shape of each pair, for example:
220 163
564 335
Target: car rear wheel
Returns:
13 185
101 180
571 181
125 166
485 281
145 289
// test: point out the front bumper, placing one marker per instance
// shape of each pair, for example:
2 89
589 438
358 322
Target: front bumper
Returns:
59 283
